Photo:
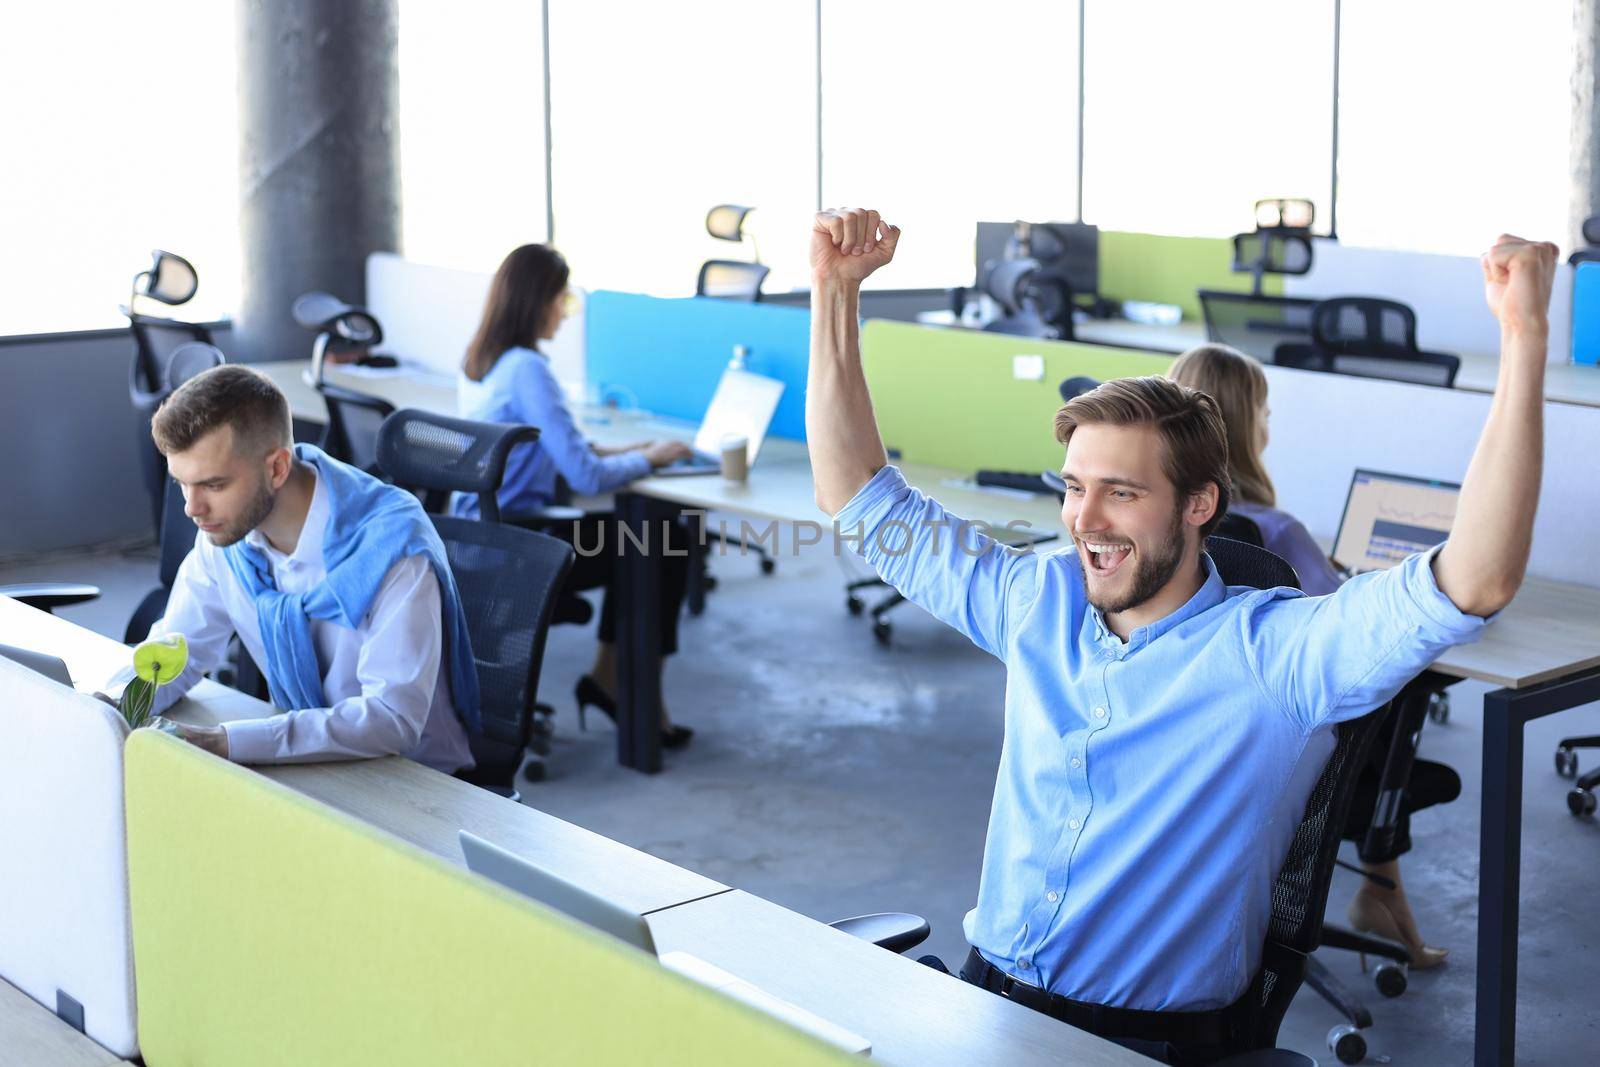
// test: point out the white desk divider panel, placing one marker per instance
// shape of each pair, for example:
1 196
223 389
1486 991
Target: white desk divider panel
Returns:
63 851
1324 426
429 315
1446 292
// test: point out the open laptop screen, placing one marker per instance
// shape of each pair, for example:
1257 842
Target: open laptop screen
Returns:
1388 517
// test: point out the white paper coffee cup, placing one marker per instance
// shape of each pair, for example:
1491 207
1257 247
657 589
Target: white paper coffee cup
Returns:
735 457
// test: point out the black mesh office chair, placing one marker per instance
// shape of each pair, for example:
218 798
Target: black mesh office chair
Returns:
1255 325
508 578
172 280
437 456
1300 893
1370 338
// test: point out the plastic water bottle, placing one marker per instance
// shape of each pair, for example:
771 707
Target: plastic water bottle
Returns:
739 354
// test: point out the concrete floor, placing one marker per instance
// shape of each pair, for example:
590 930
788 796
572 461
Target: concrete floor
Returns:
838 777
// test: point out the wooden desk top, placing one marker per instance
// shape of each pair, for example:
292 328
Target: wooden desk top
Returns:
406 799
31 1034
1551 630
912 1014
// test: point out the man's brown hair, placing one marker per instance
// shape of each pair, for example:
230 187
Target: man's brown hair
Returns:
229 395
1188 421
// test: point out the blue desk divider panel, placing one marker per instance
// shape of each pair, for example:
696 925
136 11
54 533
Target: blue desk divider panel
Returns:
666 356
1586 314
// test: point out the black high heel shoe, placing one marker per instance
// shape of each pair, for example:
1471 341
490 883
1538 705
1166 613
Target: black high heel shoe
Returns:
588 692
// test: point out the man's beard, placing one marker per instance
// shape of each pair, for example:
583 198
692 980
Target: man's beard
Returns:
260 507
1150 573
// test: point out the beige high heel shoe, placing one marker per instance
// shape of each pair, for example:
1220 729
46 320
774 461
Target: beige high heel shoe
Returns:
1369 915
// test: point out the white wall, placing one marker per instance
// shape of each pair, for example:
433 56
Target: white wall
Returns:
1324 426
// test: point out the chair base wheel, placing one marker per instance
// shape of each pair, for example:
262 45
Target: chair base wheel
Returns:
883 632
1346 1042
1439 708
853 605
1581 803
768 566
534 771
1566 762
1390 979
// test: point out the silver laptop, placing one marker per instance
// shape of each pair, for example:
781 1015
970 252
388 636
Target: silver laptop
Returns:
42 662
1388 517
743 405
626 925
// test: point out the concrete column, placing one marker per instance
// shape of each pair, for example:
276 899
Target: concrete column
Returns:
1584 199
319 158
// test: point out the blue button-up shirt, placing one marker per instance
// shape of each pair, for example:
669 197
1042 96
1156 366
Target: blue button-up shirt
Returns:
1148 790
520 388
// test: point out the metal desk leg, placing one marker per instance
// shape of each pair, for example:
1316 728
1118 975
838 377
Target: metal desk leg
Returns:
1505 713
1499 879
641 530
696 521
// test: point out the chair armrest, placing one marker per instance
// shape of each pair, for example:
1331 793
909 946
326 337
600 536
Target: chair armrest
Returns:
47 596
896 931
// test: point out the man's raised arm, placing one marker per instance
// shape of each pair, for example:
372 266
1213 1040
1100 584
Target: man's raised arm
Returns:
841 432
1481 566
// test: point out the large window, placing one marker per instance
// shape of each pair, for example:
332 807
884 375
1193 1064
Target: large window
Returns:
1194 111
660 111
472 172
1454 123
120 133
944 113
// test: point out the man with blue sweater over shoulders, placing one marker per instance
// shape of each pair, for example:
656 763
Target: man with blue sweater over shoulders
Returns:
1162 730
337 585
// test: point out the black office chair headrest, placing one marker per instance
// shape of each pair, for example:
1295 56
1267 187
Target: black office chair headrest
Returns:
1363 323
323 312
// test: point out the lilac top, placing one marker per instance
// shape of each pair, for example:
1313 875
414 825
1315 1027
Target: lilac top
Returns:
1283 534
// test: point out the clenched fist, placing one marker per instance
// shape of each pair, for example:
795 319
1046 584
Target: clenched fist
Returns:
1517 276
847 244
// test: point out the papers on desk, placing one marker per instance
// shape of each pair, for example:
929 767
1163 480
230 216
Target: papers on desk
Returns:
406 369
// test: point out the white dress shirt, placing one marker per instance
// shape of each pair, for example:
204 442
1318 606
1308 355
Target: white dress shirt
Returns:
390 695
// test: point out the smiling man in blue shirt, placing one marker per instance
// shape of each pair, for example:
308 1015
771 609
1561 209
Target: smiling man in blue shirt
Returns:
1162 730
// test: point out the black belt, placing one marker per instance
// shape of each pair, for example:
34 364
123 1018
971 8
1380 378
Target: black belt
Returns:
1177 1027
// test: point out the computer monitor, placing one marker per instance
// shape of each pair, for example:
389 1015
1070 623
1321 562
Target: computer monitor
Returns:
1388 517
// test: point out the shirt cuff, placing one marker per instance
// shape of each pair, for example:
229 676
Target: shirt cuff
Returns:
637 465
883 487
255 740
1423 585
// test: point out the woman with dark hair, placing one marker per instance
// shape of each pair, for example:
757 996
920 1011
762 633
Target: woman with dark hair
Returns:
505 378
1239 386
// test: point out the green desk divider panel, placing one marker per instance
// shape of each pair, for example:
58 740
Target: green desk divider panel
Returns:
271 929
1168 270
948 397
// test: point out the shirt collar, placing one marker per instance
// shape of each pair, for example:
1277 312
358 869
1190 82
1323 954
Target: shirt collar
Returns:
1209 595
308 549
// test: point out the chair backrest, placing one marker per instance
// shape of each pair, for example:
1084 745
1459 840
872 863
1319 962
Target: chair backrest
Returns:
1370 338
1076 386
731 279
508 578
1236 527
437 455
1300 894
1272 252
155 340
1255 325
353 423
190 359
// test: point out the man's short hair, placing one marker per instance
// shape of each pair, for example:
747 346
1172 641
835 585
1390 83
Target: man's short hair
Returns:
229 395
1188 421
